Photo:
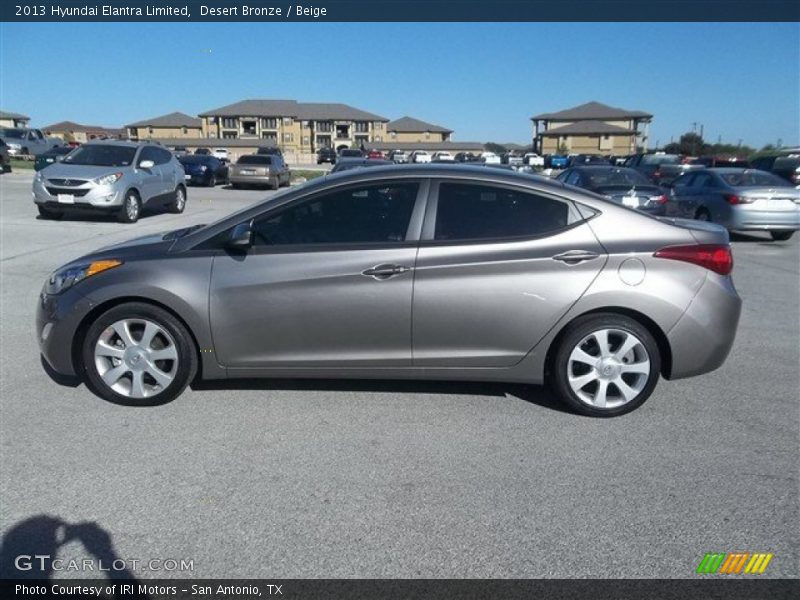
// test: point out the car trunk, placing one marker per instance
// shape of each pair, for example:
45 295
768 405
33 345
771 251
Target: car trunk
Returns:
702 231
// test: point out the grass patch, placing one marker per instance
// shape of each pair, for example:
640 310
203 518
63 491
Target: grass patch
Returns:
307 174
17 163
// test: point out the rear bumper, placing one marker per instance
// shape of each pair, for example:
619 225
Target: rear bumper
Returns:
252 179
702 338
753 220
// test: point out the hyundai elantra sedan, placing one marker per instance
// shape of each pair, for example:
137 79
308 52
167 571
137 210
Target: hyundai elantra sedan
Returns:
445 272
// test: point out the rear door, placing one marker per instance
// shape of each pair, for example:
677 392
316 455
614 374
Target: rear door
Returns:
328 282
498 265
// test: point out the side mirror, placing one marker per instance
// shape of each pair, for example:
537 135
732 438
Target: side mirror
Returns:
147 164
241 236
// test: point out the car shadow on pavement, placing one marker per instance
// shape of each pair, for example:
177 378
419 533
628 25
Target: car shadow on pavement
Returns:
95 217
539 395
763 239
29 547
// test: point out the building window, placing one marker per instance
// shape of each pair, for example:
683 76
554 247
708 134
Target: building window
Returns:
342 132
393 134
229 135
150 130
378 138
323 141
269 123
324 126
361 140
185 130
270 138
249 127
287 120
362 127
427 135
378 125
306 140
229 122
288 138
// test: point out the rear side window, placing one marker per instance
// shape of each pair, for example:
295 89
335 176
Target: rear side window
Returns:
372 214
475 212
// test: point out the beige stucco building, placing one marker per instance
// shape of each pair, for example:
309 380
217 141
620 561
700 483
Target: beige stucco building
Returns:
70 131
12 119
409 129
296 127
175 125
591 128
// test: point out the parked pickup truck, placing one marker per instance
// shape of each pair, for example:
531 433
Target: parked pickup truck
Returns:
27 142
659 167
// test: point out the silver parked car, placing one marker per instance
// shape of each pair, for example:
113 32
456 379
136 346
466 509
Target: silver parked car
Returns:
738 199
259 170
423 272
120 178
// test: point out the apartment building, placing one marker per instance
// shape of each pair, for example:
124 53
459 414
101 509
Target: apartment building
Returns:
69 131
176 125
409 129
591 128
296 127
12 119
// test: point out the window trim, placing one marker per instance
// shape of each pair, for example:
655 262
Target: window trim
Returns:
429 225
413 232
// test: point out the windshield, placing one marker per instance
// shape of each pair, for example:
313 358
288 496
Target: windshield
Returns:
16 134
603 177
102 155
753 178
255 159
661 159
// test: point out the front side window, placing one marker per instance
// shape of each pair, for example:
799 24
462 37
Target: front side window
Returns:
473 212
373 214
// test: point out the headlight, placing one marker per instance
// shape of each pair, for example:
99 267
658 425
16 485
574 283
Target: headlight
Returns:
38 177
63 279
108 179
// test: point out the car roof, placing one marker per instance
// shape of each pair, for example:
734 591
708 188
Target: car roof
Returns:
121 143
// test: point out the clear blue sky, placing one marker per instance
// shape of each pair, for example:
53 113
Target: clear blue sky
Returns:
741 81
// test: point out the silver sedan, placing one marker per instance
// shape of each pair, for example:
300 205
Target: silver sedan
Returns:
738 199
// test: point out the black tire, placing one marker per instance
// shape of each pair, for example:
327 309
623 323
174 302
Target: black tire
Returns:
781 236
277 184
703 215
179 204
126 213
212 181
187 360
235 186
46 213
571 338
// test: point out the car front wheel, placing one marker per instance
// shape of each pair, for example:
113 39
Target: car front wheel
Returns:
131 208
138 355
606 365
179 203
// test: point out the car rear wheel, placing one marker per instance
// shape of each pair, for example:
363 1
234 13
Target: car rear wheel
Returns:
179 204
46 213
781 236
131 208
276 184
606 365
138 355
212 180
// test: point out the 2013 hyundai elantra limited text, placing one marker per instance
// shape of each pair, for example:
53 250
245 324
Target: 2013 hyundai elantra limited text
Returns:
426 272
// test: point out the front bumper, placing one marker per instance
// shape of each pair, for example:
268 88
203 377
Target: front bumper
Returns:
702 338
89 196
57 320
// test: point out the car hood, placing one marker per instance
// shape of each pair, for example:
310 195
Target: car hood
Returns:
147 246
67 171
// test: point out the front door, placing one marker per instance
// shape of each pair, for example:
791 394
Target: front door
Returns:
328 282
496 269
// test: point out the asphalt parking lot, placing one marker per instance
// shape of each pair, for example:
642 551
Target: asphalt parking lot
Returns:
293 479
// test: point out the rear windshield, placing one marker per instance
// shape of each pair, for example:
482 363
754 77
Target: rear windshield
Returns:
195 159
601 177
787 162
255 159
753 178
351 153
661 159
102 155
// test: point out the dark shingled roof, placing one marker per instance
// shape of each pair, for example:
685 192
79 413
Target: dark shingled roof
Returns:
412 125
4 114
588 128
592 110
73 126
312 111
175 119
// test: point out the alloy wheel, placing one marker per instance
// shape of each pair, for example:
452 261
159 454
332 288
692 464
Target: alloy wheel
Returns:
608 368
136 358
132 207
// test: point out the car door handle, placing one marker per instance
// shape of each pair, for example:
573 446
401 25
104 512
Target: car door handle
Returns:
385 271
573 257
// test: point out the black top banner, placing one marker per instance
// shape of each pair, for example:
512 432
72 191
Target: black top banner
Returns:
402 10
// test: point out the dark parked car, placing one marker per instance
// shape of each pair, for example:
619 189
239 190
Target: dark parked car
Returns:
619 184
345 164
739 162
180 151
587 159
464 157
656 167
737 199
350 153
53 155
786 166
326 155
204 169
555 161
413 272
205 151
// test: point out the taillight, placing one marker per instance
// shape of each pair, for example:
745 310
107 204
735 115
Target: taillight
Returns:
717 258
662 199
734 199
